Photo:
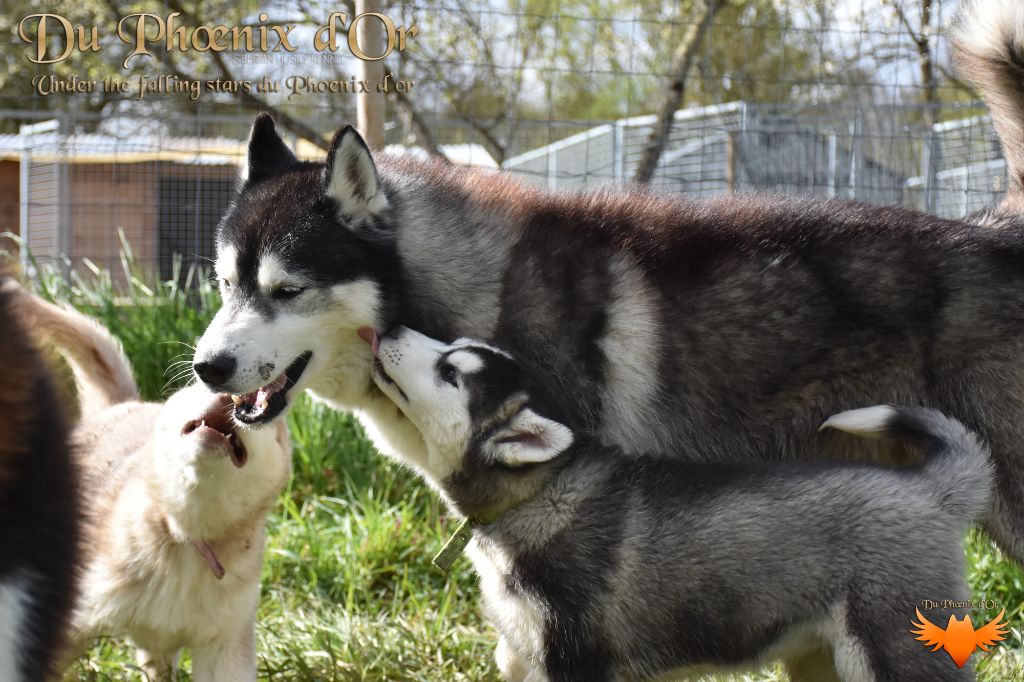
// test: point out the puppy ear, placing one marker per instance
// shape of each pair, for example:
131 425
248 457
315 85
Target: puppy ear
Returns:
352 176
267 154
529 438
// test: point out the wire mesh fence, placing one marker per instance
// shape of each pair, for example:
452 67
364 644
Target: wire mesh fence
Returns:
883 155
792 96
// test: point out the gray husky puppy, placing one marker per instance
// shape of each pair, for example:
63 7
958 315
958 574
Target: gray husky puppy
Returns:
727 329
596 565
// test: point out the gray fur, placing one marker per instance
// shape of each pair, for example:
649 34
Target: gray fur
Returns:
598 565
745 321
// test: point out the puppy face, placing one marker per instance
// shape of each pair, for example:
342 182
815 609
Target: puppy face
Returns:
469 400
208 470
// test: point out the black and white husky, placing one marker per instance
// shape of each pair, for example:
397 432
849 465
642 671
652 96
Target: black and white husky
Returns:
720 329
596 565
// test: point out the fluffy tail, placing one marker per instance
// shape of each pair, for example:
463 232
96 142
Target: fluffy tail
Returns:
102 371
958 465
988 44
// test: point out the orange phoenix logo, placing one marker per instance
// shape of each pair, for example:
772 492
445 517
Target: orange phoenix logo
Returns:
959 638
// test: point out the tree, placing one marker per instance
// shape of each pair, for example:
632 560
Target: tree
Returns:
686 54
913 36
16 72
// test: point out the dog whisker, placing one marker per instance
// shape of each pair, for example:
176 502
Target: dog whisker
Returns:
176 378
177 366
181 343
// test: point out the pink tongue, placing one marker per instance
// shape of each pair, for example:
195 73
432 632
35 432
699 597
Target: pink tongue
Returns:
369 335
270 389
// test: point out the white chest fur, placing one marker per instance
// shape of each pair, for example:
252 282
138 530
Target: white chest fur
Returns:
519 618
169 597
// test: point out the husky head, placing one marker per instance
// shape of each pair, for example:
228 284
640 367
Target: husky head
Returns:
492 426
305 257
208 472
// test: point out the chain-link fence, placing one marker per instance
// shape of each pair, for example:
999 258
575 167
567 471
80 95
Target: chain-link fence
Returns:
883 155
793 96
74 194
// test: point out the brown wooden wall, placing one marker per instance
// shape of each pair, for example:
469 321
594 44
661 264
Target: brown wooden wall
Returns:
106 197
103 198
9 207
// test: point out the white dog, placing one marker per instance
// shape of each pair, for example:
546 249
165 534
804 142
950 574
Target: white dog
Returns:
176 497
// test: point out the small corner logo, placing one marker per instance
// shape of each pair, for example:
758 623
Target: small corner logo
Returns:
959 638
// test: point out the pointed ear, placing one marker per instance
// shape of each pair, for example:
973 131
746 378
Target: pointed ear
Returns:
268 153
352 177
529 438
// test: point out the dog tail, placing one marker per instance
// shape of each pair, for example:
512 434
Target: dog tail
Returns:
102 371
988 42
958 465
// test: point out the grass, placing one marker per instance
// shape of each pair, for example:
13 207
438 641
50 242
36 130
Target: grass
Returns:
348 589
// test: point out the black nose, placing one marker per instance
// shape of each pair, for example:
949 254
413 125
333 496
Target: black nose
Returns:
216 370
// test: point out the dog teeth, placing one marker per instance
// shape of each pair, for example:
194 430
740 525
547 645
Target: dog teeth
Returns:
202 423
237 400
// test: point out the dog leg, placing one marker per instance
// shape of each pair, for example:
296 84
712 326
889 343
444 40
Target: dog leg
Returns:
228 660
511 665
997 420
896 657
1006 518
852 663
157 665
816 665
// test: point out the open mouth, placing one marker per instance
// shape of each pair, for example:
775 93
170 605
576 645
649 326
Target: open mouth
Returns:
216 427
267 402
370 336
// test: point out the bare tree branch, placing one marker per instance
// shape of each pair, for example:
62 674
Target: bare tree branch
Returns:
905 20
255 103
424 137
954 80
495 147
922 39
246 98
685 55
497 132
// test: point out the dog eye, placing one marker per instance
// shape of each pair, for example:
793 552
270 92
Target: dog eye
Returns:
450 375
285 293
226 284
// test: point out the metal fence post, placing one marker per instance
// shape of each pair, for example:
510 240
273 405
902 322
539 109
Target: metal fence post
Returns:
23 200
618 138
930 170
63 182
730 161
833 145
856 153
